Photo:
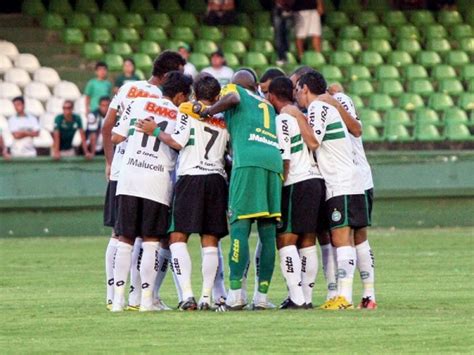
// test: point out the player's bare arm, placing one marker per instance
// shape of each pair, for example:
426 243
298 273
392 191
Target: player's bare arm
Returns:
148 126
117 138
225 103
306 130
109 123
286 169
85 149
352 124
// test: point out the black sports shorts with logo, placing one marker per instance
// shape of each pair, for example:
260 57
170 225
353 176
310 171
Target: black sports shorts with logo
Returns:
110 205
200 205
347 211
301 206
369 200
138 216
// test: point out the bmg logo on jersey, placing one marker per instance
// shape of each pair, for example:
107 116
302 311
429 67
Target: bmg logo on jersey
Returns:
160 110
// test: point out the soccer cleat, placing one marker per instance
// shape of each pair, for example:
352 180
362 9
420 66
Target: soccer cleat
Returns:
289 304
151 308
337 303
160 304
188 305
227 308
367 303
261 306
204 306
309 306
109 305
133 308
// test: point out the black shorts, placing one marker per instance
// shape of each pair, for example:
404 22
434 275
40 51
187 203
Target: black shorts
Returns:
200 205
301 205
111 204
323 221
347 211
369 201
138 216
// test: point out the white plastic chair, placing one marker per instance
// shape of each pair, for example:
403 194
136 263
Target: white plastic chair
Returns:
5 63
47 76
9 49
34 107
44 140
27 61
6 108
80 105
37 90
47 121
18 76
54 105
9 91
66 90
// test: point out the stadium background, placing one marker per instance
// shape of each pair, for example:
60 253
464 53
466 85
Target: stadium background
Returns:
411 76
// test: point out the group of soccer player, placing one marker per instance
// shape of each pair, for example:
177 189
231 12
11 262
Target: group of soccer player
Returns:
195 158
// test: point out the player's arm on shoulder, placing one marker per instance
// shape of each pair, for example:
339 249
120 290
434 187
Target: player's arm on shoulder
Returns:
352 123
306 130
230 98
120 131
148 126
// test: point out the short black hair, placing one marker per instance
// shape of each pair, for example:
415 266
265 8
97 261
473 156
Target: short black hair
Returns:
251 71
302 70
176 82
206 88
101 65
315 81
271 73
282 88
104 98
166 62
19 98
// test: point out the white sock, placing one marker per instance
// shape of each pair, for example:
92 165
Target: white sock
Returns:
346 264
109 268
123 260
218 290
148 271
234 297
135 281
290 264
309 271
210 262
182 268
164 256
328 255
258 252
365 263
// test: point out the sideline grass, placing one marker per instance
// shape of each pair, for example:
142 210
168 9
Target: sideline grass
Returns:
52 300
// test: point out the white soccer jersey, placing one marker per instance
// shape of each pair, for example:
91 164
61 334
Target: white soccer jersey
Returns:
293 148
147 164
334 156
126 94
204 144
358 147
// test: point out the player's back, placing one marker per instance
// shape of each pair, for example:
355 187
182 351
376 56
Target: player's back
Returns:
147 163
252 130
134 90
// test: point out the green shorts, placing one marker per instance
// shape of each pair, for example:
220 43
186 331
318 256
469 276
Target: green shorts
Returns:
254 193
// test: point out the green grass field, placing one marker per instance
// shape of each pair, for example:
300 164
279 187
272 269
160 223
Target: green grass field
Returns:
52 299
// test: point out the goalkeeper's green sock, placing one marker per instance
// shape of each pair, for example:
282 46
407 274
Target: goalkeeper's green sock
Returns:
267 235
239 251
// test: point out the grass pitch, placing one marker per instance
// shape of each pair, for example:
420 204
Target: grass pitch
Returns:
52 299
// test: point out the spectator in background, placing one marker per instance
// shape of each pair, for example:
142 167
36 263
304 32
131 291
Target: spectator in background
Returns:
218 69
94 127
24 127
128 74
281 18
189 68
220 12
97 87
308 23
65 127
3 147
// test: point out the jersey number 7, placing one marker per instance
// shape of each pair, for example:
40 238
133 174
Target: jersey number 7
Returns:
212 140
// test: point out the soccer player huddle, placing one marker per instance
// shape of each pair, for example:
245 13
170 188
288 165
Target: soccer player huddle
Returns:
195 158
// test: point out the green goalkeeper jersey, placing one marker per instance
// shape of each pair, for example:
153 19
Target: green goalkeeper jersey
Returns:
252 129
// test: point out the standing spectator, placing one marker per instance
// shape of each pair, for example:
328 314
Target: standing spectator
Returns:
218 69
24 127
220 12
189 68
308 23
65 127
3 147
94 127
128 74
281 18
97 87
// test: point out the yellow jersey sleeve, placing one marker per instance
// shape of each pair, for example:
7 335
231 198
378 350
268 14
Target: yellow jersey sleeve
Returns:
229 89
187 108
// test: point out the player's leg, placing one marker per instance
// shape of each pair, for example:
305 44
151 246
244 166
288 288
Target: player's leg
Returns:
164 262
135 293
210 262
219 293
110 213
328 256
309 265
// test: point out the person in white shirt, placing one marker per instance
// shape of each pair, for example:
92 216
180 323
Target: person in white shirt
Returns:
200 199
3 147
23 127
189 68
302 201
218 69
145 187
345 197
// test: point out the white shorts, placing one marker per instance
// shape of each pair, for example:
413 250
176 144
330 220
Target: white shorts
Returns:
308 23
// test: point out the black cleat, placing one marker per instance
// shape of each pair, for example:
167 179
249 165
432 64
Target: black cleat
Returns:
289 304
309 306
224 307
188 305
204 306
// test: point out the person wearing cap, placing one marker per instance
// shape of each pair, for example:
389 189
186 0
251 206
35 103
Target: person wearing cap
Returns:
189 68
218 68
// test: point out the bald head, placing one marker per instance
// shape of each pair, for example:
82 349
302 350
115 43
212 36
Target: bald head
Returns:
245 79
335 88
